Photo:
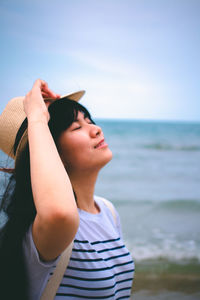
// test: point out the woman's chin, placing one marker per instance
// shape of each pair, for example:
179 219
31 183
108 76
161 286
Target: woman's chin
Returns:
108 157
111 155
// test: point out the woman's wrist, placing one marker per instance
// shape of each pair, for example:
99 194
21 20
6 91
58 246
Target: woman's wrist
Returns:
38 118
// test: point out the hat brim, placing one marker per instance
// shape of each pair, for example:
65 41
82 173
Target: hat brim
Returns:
74 96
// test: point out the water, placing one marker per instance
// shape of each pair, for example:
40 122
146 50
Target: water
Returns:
154 181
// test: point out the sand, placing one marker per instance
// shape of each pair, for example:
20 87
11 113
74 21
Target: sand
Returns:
164 287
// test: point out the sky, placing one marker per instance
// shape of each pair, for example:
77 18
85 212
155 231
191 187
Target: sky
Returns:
136 59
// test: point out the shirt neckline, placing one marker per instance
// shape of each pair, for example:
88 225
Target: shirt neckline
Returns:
84 213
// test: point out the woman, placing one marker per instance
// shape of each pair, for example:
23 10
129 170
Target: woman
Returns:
53 203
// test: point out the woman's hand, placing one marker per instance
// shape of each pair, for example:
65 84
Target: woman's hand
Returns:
34 105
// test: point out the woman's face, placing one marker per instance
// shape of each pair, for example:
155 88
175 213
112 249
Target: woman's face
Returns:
82 146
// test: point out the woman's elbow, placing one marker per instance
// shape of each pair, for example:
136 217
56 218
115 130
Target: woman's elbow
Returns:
63 219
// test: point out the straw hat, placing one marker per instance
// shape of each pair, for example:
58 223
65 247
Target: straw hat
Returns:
13 124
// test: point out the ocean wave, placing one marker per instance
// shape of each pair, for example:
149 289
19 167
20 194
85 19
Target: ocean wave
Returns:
168 249
172 204
168 147
180 204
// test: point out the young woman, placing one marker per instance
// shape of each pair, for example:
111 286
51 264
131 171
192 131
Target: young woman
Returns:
58 152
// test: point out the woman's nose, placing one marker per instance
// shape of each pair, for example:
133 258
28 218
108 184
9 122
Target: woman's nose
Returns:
95 130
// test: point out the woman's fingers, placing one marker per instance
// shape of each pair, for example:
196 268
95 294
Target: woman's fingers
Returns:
43 86
47 92
39 83
34 105
45 95
48 95
40 87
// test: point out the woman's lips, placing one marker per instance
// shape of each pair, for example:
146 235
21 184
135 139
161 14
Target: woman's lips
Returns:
101 144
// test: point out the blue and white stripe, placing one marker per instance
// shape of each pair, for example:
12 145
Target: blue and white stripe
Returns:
100 266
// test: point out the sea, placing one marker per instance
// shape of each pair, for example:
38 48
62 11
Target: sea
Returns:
153 180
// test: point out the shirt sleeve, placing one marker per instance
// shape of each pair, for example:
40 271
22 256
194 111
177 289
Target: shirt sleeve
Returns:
38 271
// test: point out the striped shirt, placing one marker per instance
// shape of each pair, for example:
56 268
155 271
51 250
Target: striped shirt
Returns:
100 265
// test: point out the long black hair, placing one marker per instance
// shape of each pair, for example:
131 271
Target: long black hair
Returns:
18 205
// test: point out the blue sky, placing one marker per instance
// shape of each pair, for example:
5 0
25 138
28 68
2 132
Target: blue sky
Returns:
136 59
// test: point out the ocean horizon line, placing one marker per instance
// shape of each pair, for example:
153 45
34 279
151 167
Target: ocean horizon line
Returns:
149 120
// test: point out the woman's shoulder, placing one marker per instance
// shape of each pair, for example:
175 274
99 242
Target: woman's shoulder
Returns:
104 200
107 203
108 206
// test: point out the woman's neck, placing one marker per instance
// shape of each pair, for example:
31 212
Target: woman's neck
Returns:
84 184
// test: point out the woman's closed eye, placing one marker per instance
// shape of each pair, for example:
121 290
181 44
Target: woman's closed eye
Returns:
78 126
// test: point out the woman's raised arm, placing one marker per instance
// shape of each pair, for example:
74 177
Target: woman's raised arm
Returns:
57 217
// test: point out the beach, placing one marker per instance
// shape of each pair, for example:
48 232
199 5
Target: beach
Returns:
177 282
